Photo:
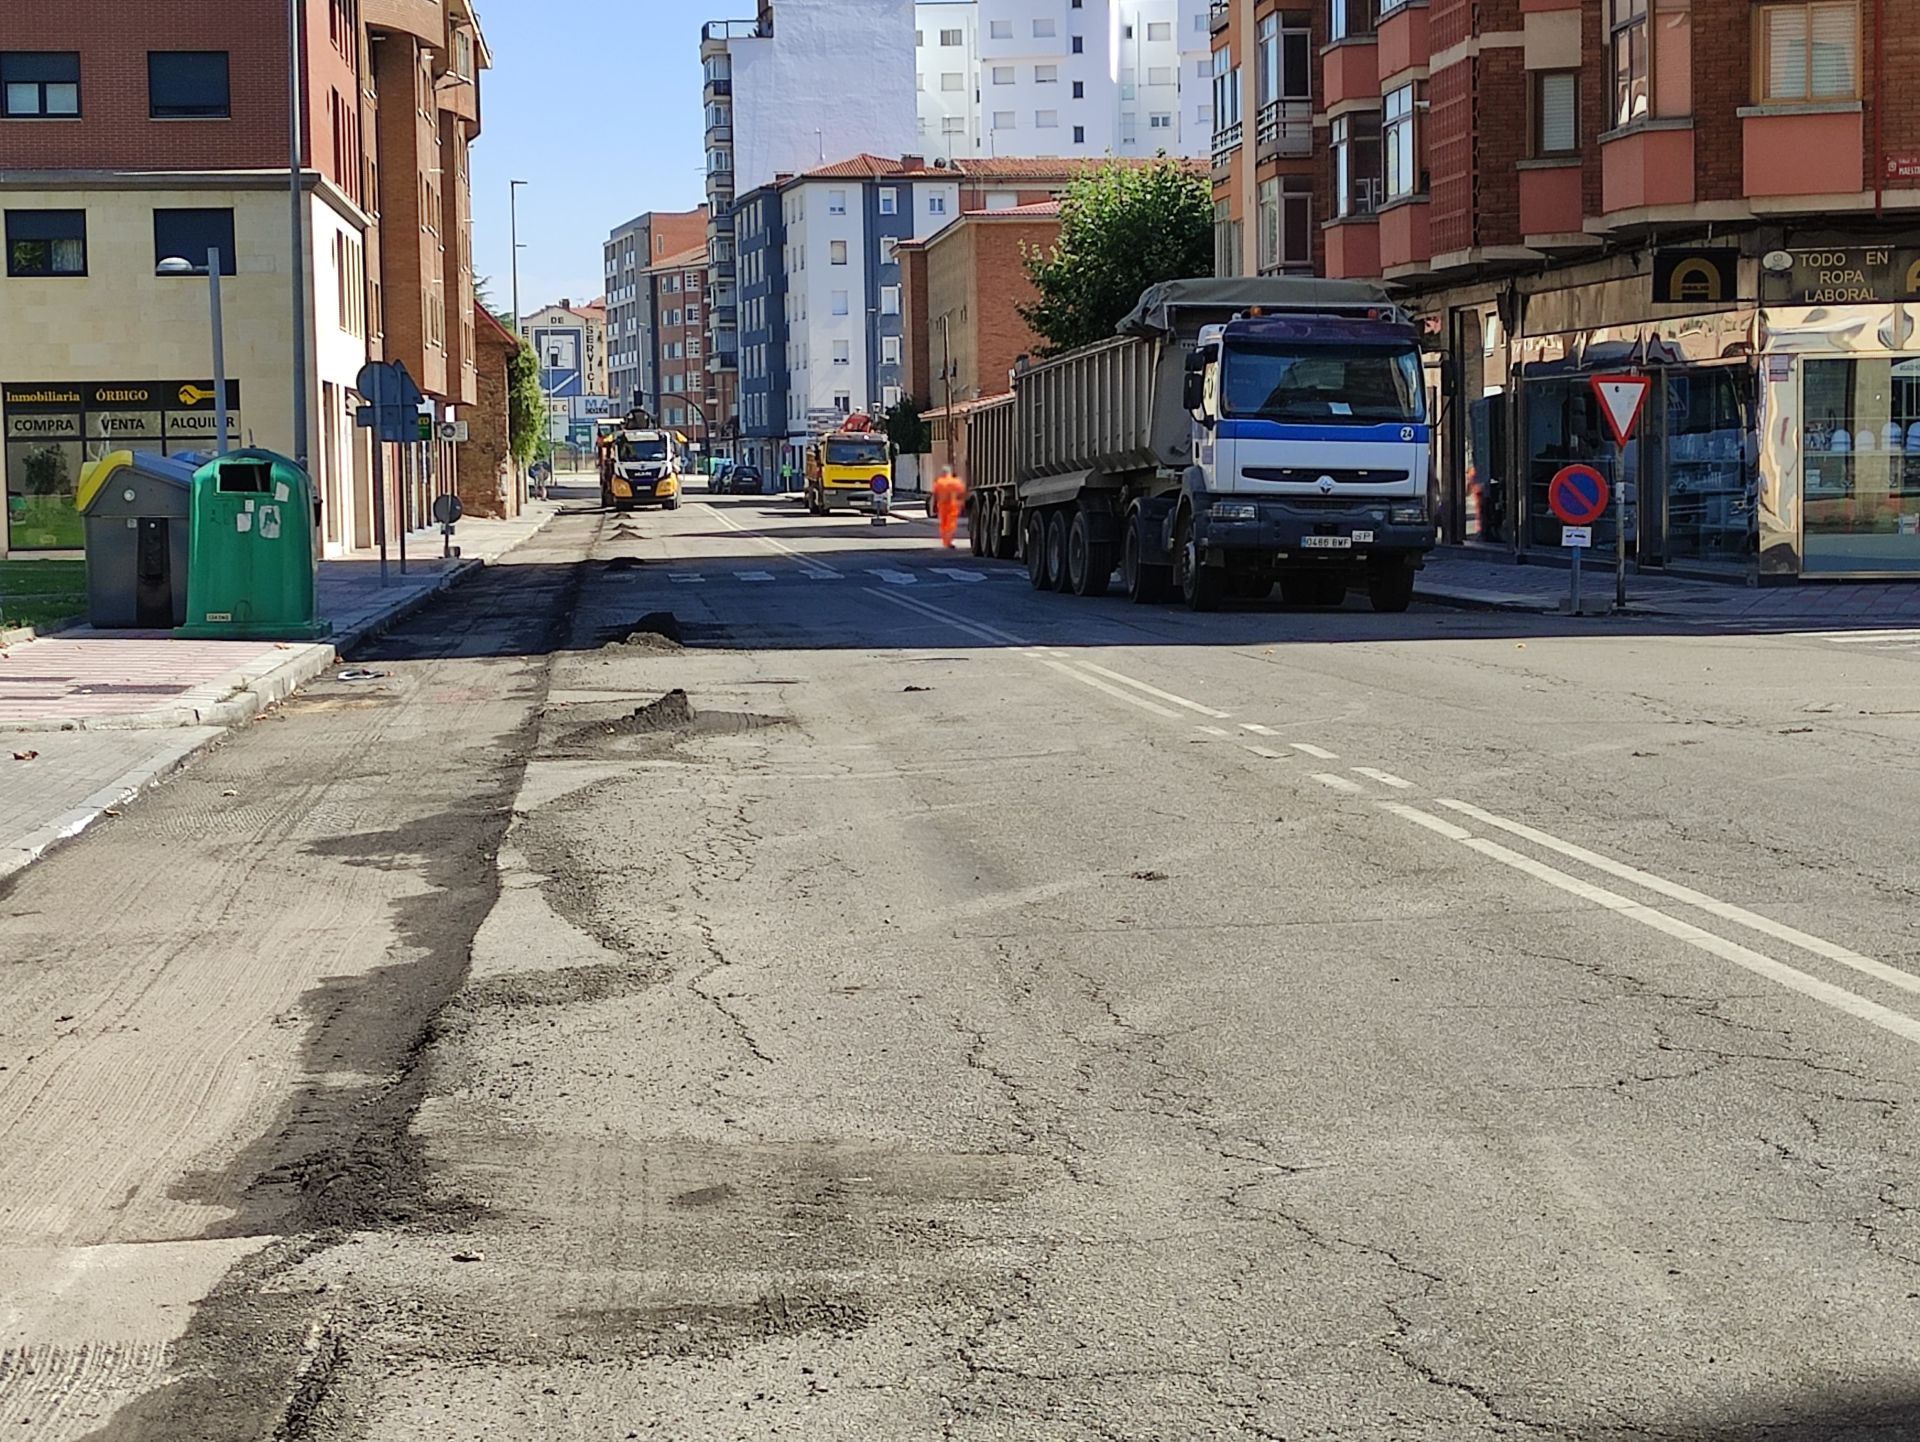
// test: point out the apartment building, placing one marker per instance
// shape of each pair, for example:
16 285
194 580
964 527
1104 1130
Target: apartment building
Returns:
1265 164
570 343
1720 195
133 147
1062 78
689 398
633 360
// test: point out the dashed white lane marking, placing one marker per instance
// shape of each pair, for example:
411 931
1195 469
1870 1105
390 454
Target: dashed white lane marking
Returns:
1258 730
1264 751
1214 730
1126 680
686 578
954 573
812 567
1385 778
895 578
1307 748
1756 962
1338 783
753 575
1094 681
1687 896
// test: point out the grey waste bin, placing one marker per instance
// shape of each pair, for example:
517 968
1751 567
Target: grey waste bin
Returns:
137 508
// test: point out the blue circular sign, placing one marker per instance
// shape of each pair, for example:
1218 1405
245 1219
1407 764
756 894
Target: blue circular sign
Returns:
1578 495
880 485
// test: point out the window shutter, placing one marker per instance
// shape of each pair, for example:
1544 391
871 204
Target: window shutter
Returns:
1786 53
1559 119
1834 44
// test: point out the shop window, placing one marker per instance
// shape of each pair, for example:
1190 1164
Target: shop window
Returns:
39 84
1555 113
48 243
1563 425
1860 465
1808 53
1702 437
1356 163
188 85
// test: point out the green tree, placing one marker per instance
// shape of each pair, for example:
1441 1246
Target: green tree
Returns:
911 436
526 408
1122 229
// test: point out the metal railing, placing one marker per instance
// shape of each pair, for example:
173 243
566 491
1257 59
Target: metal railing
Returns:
1218 14
1285 127
1225 142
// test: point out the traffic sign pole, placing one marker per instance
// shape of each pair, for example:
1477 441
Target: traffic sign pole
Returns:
1578 495
1622 398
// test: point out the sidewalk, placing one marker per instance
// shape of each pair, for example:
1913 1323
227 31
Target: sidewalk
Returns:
1457 577
100 715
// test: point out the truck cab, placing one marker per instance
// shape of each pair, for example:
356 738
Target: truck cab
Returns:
842 467
1311 459
641 468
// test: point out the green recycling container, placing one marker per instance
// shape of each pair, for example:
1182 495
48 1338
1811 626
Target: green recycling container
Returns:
250 572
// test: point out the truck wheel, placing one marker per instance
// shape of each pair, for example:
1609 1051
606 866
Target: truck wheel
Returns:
1089 560
1056 564
1146 585
1199 586
977 525
1390 588
672 503
1037 550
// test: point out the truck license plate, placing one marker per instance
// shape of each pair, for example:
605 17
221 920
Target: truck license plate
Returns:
1326 543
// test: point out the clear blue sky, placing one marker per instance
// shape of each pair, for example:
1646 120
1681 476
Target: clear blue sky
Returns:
597 104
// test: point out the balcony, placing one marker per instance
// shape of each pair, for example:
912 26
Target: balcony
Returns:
1284 127
1646 165
1219 15
1225 143
716 90
720 134
1800 150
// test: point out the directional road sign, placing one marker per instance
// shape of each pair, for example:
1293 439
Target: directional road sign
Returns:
1578 495
1622 398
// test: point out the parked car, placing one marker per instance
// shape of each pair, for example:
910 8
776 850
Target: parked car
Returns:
746 481
720 483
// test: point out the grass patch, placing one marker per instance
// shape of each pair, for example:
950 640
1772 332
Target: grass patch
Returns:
33 593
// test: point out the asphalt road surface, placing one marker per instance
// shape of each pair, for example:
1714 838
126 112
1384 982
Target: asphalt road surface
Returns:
966 1013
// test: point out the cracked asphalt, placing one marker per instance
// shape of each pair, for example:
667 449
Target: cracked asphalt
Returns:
971 1014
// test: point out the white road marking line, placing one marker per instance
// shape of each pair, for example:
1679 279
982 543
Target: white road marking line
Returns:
686 578
894 578
971 578
1428 820
1316 752
1265 751
1861 638
1126 680
932 612
1687 896
1385 778
818 569
1214 730
1756 962
1094 681
753 575
1338 783
1258 729
1063 655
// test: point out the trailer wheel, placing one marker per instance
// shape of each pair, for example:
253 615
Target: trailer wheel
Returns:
1089 558
1056 562
1199 586
1146 585
1037 550
977 525
1390 588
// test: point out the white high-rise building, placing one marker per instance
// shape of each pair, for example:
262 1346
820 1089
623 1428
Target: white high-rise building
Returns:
1063 77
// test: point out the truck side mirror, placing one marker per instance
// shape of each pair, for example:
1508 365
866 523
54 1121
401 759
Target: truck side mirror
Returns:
1194 394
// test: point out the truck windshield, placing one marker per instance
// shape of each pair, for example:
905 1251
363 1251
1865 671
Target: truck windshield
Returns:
856 453
653 450
1307 385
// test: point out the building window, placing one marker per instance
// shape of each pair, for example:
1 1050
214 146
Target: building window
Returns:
1226 240
889 201
1079 90
1629 51
953 125
39 84
1556 113
953 80
889 300
1161 121
889 249
1159 30
1286 58
1079 45
189 234
1003 75
839 302
1400 142
1000 29
842 353
1046 119
1043 28
951 37
1046 75
1808 53
836 202
1079 135
188 85
1354 18
842 402
836 252
49 242
889 350
1129 128
936 205
1356 163
1005 120
1159 75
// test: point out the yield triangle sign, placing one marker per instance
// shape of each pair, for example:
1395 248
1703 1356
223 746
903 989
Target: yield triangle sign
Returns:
1622 398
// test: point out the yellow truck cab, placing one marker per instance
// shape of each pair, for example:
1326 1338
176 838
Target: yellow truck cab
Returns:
640 467
842 466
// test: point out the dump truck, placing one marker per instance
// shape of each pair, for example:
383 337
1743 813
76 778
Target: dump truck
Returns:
848 467
1233 435
640 465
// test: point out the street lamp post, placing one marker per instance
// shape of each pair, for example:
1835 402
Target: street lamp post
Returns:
295 95
513 223
946 373
178 265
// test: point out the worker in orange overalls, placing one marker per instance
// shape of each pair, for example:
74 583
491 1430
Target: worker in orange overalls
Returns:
949 498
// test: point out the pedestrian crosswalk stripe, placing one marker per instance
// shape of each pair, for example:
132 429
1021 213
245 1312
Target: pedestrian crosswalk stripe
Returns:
955 573
754 575
686 578
896 578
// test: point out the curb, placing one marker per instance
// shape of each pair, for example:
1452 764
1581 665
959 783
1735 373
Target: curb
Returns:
20 635
18 854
